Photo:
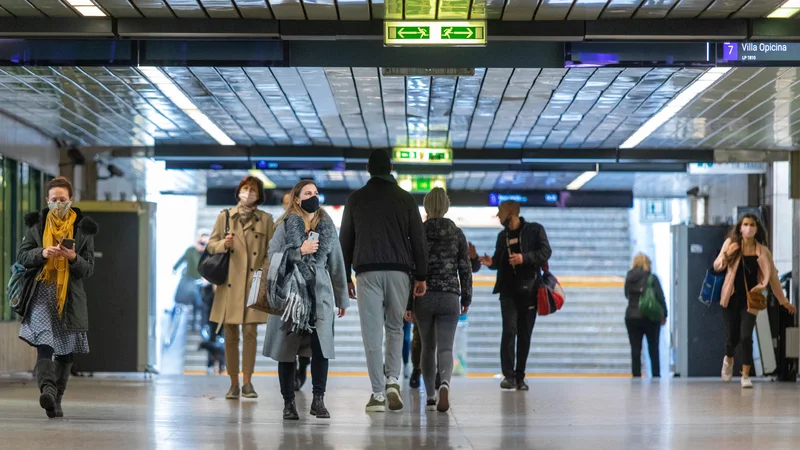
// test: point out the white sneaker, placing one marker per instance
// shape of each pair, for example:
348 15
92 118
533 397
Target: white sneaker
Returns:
746 383
727 370
407 370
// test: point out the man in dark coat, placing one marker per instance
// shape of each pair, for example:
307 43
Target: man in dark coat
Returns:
521 251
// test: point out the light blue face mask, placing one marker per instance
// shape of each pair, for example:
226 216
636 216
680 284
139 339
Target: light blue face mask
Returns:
60 209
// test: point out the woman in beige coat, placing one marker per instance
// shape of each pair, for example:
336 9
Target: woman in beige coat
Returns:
248 241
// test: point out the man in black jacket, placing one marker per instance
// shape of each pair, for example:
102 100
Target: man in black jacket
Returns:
383 241
521 251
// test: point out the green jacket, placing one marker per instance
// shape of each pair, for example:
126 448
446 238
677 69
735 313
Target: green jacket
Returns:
191 257
75 317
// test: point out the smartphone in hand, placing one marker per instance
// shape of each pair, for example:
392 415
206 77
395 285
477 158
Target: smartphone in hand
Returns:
68 243
313 236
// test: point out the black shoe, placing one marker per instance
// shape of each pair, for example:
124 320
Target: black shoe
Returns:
62 377
290 411
299 379
46 380
508 383
522 386
318 408
413 383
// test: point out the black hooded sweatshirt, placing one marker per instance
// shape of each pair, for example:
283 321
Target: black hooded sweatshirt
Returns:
635 283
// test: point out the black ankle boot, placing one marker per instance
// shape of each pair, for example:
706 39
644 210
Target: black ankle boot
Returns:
318 408
62 377
46 380
290 410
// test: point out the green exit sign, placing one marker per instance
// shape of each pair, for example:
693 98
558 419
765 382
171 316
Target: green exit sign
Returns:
424 33
421 183
423 155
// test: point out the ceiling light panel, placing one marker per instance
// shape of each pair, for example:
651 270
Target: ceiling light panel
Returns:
581 180
561 99
180 99
418 97
269 89
88 105
220 9
344 92
464 104
487 9
316 83
393 90
206 100
605 104
494 85
214 81
354 9
297 95
453 9
443 90
620 9
586 99
513 99
186 9
538 97
244 89
369 96
675 105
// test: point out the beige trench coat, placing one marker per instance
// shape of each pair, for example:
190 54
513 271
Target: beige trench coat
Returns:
249 253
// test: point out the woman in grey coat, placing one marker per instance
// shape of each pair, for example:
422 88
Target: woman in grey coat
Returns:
306 236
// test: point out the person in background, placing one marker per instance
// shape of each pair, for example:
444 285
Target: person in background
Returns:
58 250
383 240
437 312
522 249
749 266
213 341
303 362
322 265
188 292
248 241
416 344
638 325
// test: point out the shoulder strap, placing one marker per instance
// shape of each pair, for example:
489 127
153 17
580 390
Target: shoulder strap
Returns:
227 222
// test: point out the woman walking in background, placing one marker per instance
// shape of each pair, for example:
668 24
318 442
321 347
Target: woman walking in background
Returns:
436 313
750 269
306 237
638 325
248 241
59 251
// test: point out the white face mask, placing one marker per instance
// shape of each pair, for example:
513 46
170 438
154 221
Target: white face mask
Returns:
248 197
60 209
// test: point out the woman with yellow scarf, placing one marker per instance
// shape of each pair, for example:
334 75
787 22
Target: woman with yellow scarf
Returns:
58 250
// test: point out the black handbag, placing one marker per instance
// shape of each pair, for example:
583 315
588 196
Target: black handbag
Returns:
214 268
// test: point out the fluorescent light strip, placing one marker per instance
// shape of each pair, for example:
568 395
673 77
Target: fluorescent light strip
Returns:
168 88
788 9
86 8
675 105
582 179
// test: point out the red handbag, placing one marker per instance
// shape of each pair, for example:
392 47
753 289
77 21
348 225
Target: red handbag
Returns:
550 294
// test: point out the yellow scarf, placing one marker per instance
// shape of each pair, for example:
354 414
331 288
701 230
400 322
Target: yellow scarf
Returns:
56 270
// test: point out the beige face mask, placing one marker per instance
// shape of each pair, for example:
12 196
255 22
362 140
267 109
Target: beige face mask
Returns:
248 197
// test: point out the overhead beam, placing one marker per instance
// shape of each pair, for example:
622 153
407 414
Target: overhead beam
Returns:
559 31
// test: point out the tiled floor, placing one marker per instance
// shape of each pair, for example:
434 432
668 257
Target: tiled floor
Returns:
189 413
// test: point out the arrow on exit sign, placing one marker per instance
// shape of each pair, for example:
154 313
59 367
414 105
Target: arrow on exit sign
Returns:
405 33
462 33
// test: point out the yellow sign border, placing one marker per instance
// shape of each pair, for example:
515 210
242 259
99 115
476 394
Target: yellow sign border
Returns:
435 38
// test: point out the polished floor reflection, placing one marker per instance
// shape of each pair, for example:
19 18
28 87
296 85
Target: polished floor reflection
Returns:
187 412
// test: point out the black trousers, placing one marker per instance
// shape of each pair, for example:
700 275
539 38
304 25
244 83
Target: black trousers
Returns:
519 318
739 325
637 329
319 372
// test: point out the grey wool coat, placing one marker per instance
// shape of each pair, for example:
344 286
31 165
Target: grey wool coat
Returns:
330 288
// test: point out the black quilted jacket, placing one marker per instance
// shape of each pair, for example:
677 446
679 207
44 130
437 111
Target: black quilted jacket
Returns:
449 267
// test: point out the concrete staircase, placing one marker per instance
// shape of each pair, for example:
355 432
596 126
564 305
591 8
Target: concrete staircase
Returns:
590 246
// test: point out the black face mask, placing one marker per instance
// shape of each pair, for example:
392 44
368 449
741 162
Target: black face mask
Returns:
310 205
506 223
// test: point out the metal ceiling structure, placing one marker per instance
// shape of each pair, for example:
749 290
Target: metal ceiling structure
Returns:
510 10
496 109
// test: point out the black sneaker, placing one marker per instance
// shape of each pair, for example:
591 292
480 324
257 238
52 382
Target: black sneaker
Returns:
522 386
508 383
413 382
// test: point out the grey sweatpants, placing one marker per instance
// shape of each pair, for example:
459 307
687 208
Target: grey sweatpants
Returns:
382 300
436 314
